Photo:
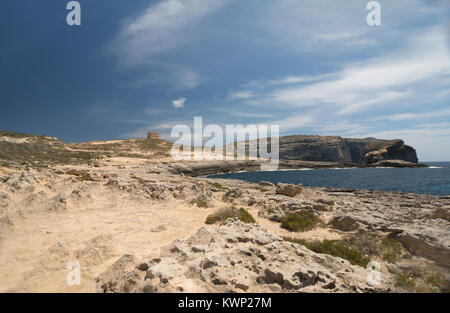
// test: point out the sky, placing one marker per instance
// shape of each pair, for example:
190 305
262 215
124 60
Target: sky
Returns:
312 67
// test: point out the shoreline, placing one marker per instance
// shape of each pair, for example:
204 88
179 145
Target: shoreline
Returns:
205 168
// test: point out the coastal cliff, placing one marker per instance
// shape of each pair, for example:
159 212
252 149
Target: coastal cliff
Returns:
344 150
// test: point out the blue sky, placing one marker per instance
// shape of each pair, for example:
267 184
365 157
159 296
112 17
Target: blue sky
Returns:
313 67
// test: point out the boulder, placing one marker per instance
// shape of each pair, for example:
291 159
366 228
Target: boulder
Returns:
289 190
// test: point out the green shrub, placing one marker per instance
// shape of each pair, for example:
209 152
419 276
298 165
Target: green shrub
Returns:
300 221
219 186
404 281
245 216
223 214
391 250
296 240
334 248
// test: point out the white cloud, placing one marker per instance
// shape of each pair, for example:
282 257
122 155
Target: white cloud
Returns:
163 26
441 113
334 27
374 83
245 94
179 103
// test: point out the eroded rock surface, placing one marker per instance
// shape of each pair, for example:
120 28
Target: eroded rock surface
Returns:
236 257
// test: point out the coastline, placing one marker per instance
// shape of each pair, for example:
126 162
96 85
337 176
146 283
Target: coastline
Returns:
204 168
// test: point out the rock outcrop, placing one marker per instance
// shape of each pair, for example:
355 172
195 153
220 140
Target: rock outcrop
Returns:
344 150
396 150
289 190
237 257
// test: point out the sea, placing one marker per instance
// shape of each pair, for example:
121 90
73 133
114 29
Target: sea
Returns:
434 180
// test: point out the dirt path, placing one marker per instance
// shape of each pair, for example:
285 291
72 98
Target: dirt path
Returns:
34 255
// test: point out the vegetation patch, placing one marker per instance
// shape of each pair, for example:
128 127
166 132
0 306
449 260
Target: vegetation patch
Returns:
219 186
300 221
139 179
365 242
391 250
200 203
334 248
225 213
85 176
434 279
404 281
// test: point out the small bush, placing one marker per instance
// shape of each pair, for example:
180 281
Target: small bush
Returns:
404 281
245 216
434 279
365 242
391 250
334 248
139 179
300 221
202 203
226 213
219 186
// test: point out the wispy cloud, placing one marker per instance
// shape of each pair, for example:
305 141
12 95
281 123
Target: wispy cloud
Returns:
160 28
364 85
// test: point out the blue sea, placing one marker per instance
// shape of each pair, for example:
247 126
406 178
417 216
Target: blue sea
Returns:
433 180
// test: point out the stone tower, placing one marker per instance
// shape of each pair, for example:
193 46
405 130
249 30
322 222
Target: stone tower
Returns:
152 135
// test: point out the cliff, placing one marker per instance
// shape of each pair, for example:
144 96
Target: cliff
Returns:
344 150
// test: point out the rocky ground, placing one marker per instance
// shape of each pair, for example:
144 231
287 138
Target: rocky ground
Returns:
136 224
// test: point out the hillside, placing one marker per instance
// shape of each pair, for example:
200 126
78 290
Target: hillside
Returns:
41 151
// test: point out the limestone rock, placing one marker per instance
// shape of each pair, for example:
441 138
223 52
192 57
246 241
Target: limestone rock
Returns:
289 190
266 184
235 257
